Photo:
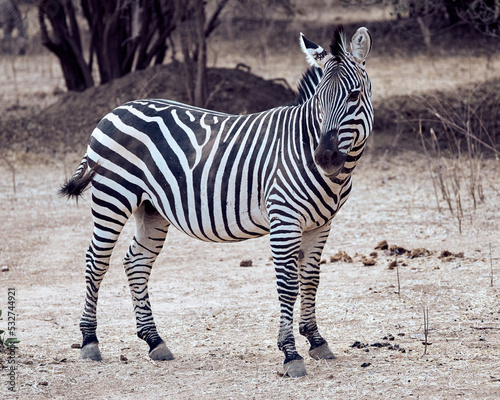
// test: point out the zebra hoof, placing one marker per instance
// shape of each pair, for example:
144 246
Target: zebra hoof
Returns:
91 351
161 353
322 352
295 369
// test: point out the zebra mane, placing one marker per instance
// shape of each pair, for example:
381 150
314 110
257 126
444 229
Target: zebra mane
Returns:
307 85
338 45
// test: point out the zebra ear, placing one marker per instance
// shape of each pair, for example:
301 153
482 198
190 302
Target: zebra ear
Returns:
361 45
316 56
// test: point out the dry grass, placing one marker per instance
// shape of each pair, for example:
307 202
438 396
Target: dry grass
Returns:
29 84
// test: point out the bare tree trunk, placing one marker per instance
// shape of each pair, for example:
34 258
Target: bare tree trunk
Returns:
191 19
66 45
201 89
154 32
127 35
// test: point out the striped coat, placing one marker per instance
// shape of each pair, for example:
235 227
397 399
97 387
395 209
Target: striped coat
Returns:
223 178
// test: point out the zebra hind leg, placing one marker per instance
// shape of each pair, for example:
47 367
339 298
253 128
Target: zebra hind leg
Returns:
150 234
108 223
309 271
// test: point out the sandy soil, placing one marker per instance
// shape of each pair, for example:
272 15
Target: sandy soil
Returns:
220 320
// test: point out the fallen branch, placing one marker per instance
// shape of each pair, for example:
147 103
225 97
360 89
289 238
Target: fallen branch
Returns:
483 328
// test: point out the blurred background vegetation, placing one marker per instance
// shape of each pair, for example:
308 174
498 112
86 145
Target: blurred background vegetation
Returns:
434 66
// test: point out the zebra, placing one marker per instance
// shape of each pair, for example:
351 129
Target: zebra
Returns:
10 19
285 172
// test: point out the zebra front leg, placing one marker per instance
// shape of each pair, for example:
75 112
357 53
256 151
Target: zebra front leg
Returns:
310 252
150 233
285 243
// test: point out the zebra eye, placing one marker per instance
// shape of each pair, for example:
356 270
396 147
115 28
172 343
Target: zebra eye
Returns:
353 96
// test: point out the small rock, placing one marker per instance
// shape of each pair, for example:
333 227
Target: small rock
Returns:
382 245
392 264
358 345
394 249
246 263
123 359
448 255
380 345
5 268
367 261
341 256
420 252
364 365
75 346
445 254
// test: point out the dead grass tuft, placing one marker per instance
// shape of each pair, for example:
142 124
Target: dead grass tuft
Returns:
461 118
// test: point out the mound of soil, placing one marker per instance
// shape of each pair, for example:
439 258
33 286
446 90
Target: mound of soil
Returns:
67 124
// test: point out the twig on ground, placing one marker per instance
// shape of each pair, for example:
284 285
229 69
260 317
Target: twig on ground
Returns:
491 268
483 328
426 329
399 281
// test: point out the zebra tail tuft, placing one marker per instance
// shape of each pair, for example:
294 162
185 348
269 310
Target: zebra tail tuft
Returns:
78 183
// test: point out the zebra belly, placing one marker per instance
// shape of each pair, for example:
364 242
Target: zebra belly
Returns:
221 225
196 203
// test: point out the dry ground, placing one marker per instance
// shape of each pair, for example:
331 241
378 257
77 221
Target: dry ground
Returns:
221 320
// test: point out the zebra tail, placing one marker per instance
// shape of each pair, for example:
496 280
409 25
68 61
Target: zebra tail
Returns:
78 183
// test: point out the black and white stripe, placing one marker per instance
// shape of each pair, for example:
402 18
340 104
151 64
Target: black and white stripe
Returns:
223 178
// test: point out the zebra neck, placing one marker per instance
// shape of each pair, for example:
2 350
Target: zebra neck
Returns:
308 120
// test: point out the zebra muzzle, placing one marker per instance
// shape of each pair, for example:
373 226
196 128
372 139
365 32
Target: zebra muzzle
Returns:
327 155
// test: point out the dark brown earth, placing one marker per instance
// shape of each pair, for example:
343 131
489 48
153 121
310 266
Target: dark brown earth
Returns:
72 118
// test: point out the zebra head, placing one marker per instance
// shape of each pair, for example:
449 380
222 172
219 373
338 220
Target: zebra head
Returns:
342 99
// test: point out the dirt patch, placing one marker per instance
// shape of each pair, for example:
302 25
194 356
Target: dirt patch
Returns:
221 320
